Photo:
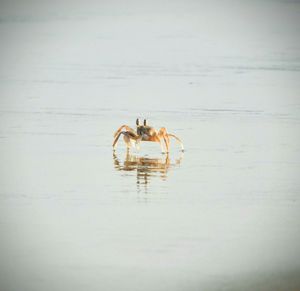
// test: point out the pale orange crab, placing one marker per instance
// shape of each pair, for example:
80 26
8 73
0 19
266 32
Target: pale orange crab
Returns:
144 132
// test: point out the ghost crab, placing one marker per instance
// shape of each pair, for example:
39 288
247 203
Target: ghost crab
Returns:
144 132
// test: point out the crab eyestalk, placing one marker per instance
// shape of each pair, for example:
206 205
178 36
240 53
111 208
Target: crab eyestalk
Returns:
137 122
145 122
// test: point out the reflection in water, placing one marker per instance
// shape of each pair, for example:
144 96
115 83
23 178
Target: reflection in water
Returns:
145 167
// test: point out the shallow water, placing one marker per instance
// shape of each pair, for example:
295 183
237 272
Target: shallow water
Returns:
223 215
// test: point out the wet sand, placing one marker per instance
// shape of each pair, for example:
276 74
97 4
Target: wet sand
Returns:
223 215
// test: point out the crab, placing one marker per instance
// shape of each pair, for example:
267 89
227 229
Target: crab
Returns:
144 132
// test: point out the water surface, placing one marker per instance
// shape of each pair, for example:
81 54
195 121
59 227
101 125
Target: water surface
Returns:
223 215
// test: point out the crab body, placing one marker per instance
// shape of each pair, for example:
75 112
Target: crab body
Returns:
144 132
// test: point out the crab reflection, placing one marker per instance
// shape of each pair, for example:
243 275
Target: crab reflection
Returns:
145 167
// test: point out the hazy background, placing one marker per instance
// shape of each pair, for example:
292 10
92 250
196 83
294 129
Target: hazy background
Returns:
222 75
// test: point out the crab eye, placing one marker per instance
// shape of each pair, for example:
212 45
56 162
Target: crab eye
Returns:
145 123
137 122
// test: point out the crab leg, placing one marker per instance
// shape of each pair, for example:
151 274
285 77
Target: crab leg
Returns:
161 145
166 140
178 140
163 134
128 137
116 139
127 128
